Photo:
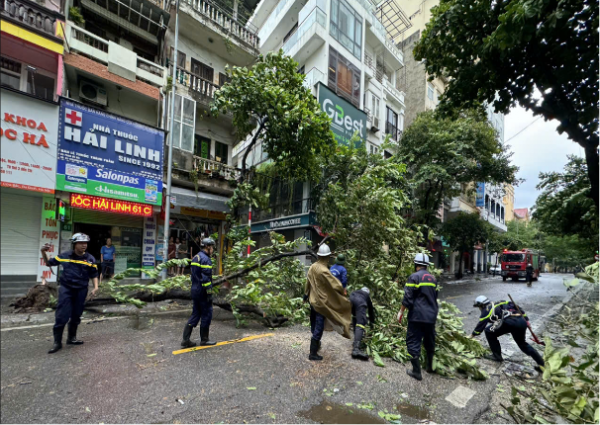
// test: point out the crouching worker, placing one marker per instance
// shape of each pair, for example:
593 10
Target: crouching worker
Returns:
329 306
78 268
499 319
361 304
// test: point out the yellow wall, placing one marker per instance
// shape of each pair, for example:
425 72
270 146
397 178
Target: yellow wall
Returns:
509 202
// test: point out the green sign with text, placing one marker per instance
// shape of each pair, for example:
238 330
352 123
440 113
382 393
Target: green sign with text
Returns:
346 119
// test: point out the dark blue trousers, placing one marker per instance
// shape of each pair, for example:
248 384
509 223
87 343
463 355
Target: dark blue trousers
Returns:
419 333
317 324
70 305
202 310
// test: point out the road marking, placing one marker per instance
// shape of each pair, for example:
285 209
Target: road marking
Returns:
233 341
460 396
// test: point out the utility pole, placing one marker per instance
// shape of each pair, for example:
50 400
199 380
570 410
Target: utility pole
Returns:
171 125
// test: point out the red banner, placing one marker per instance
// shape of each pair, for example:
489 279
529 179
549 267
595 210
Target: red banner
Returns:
116 206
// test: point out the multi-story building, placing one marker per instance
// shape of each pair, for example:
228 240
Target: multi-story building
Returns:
509 202
31 69
351 63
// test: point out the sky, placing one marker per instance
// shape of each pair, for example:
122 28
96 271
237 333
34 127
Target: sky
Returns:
538 148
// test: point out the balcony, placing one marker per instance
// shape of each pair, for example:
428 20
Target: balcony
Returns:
309 36
286 209
203 174
313 77
212 15
494 220
200 89
396 95
32 16
120 61
215 169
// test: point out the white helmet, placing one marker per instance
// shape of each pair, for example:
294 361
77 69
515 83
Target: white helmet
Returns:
80 237
481 301
324 251
422 259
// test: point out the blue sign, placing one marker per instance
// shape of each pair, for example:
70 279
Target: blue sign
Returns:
102 154
480 195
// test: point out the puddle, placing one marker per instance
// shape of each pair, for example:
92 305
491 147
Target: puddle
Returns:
414 412
333 413
140 323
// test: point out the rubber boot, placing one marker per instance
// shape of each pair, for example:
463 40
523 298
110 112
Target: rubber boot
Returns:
314 347
416 370
319 347
72 336
535 355
204 337
187 333
430 363
357 353
494 357
58 332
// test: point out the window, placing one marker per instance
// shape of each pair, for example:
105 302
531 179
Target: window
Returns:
201 70
290 32
40 85
437 96
221 152
391 124
11 73
344 78
180 58
202 146
27 78
373 149
430 91
223 78
185 120
346 26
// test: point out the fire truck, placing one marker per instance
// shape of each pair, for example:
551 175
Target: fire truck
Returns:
514 264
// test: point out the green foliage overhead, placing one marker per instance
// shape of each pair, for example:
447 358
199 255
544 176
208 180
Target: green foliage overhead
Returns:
270 104
464 231
441 154
541 54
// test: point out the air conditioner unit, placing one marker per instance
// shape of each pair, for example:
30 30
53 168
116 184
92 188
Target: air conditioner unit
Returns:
92 93
375 126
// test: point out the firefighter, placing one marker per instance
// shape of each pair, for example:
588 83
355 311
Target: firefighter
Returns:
420 298
503 318
201 295
339 271
78 268
361 305
529 271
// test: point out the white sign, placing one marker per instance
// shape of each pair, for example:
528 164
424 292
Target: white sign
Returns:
28 133
149 245
48 235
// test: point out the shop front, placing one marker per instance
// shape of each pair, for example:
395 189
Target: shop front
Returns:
28 166
109 172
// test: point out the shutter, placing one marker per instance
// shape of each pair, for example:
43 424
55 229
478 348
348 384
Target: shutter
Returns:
20 234
106 219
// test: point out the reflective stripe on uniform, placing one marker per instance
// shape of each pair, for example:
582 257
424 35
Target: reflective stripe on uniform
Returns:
201 265
492 310
207 284
68 260
414 285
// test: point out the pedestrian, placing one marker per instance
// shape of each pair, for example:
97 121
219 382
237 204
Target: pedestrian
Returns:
529 272
328 304
201 295
182 253
172 252
78 268
361 305
420 298
107 260
339 271
503 318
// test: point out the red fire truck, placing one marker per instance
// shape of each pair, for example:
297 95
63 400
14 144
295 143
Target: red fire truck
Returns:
514 264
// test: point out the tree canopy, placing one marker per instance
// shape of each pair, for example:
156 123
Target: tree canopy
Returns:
514 51
464 231
442 153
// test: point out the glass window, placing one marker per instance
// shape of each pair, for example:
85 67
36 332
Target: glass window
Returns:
11 80
11 73
513 258
391 125
346 26
180 58
202 146
430 91
221 152
184 128
344 78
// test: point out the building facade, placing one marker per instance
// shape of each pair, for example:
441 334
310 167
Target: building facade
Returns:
509 202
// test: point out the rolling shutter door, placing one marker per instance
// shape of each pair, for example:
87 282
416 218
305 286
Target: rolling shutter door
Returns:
20 234
106 219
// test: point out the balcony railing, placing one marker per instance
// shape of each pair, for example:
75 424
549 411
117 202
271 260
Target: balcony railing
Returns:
215 169
31 15
317 16
246 34
301 206
393 91
313 77
199 86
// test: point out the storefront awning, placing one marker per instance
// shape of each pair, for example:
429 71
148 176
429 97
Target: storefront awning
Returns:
203 200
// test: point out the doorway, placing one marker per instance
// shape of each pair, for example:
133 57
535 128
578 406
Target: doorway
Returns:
98 235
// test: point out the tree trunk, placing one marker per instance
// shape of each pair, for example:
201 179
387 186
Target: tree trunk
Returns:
591 158
459 275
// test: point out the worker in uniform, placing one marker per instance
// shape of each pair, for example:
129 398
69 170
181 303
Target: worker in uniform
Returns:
420 298
329 306
339 271
201 268
529 272
503 318
361 305
78 268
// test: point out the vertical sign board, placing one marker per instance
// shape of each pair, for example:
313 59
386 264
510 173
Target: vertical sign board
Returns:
480 195
48 235
28 134
149 245
106 155
346 119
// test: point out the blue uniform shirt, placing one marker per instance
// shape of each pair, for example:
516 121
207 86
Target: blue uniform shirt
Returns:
108 253
77 270
420 297
340 273
202 271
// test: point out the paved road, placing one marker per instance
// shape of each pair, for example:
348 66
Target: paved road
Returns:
126 372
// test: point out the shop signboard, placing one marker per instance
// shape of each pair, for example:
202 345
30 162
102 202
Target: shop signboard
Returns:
110 205
294 222
106 155
28 134
346 119
149 244
480 195
49 234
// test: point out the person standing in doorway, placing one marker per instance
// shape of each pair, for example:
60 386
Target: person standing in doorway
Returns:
107 260
78 268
